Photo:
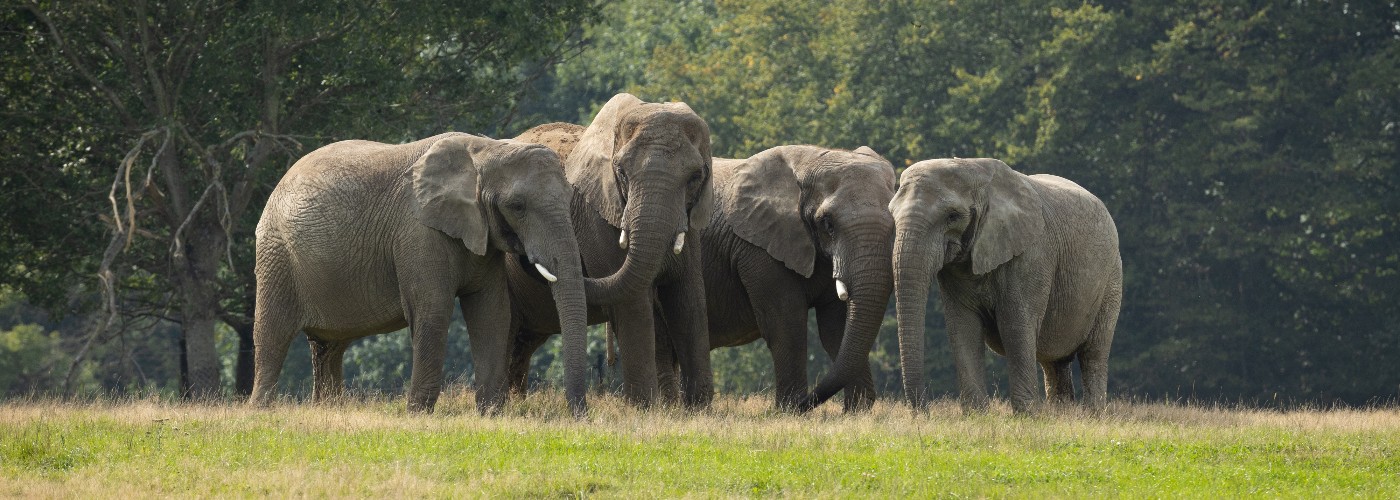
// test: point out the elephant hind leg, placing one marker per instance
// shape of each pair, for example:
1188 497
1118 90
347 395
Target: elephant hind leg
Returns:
523 348
276 320
1059 382
1093 358
327 362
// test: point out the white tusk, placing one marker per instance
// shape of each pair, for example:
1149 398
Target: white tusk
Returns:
841 291
622 240
545 272
680 243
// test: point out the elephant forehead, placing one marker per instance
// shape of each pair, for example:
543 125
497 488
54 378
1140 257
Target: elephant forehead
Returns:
852 178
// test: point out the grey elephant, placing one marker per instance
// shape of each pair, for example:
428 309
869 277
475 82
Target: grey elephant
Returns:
641 178
1027 265
361 238
796 228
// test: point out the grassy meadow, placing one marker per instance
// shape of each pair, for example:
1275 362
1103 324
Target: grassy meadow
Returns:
373 447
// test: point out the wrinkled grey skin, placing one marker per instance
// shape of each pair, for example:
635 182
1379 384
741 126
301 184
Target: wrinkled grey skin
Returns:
1027 265
361 238
789 222
644 168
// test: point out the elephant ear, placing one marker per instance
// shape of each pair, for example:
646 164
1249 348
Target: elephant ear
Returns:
589 167
699 135
1013 220
761 199
445 194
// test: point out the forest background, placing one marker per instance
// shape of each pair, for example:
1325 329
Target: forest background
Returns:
1249 152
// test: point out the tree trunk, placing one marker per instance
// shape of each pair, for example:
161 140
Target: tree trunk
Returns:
196 266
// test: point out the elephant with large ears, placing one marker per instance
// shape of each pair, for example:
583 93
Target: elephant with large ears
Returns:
641 178
797 228
361 238
1027 265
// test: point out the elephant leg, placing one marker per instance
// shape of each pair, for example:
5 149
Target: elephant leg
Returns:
487 315
965 339
782 321
1093 358
1059 382
274 325
667 367
526 342
633 323
428 320
831 329
327 363
1017 325
682 303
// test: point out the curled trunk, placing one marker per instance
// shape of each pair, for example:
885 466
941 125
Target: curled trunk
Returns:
869 290
651 234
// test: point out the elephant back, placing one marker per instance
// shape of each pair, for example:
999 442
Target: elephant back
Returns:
558 136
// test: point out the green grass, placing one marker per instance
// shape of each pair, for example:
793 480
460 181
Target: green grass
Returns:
739 448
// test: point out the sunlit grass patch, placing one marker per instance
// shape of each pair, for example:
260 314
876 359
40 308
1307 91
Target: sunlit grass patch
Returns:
371 446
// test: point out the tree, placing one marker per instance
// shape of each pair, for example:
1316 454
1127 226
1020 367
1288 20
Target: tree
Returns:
202 105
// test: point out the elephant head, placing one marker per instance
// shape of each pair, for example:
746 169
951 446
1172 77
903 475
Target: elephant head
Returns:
513 196
645 168
970 212
800 203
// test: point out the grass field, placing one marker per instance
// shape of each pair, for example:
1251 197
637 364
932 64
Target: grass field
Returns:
373 447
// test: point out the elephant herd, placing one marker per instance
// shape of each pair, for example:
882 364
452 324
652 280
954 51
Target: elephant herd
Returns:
632 222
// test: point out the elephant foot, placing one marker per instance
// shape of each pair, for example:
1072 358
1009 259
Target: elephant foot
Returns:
422 404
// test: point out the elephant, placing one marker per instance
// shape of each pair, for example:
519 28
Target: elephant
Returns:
641 177
1027 265
799 227
361 238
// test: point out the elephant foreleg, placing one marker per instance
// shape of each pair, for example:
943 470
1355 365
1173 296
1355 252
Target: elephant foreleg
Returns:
1017 325
683 305
965 340
831 329
636 338
487 315
327 363
667 369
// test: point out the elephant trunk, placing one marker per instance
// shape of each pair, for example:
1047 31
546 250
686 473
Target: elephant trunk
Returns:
912 274
651 225
570 301
869 274
560 256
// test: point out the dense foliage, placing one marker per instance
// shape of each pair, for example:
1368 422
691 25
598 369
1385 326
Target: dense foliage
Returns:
1249 151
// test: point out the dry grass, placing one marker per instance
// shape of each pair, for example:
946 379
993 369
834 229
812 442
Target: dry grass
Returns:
373 447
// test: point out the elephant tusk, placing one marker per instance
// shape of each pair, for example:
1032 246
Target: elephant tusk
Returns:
680 243
841 291
622 240
545 272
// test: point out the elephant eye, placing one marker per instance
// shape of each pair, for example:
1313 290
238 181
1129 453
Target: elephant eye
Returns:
826 224
697 177
954 216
